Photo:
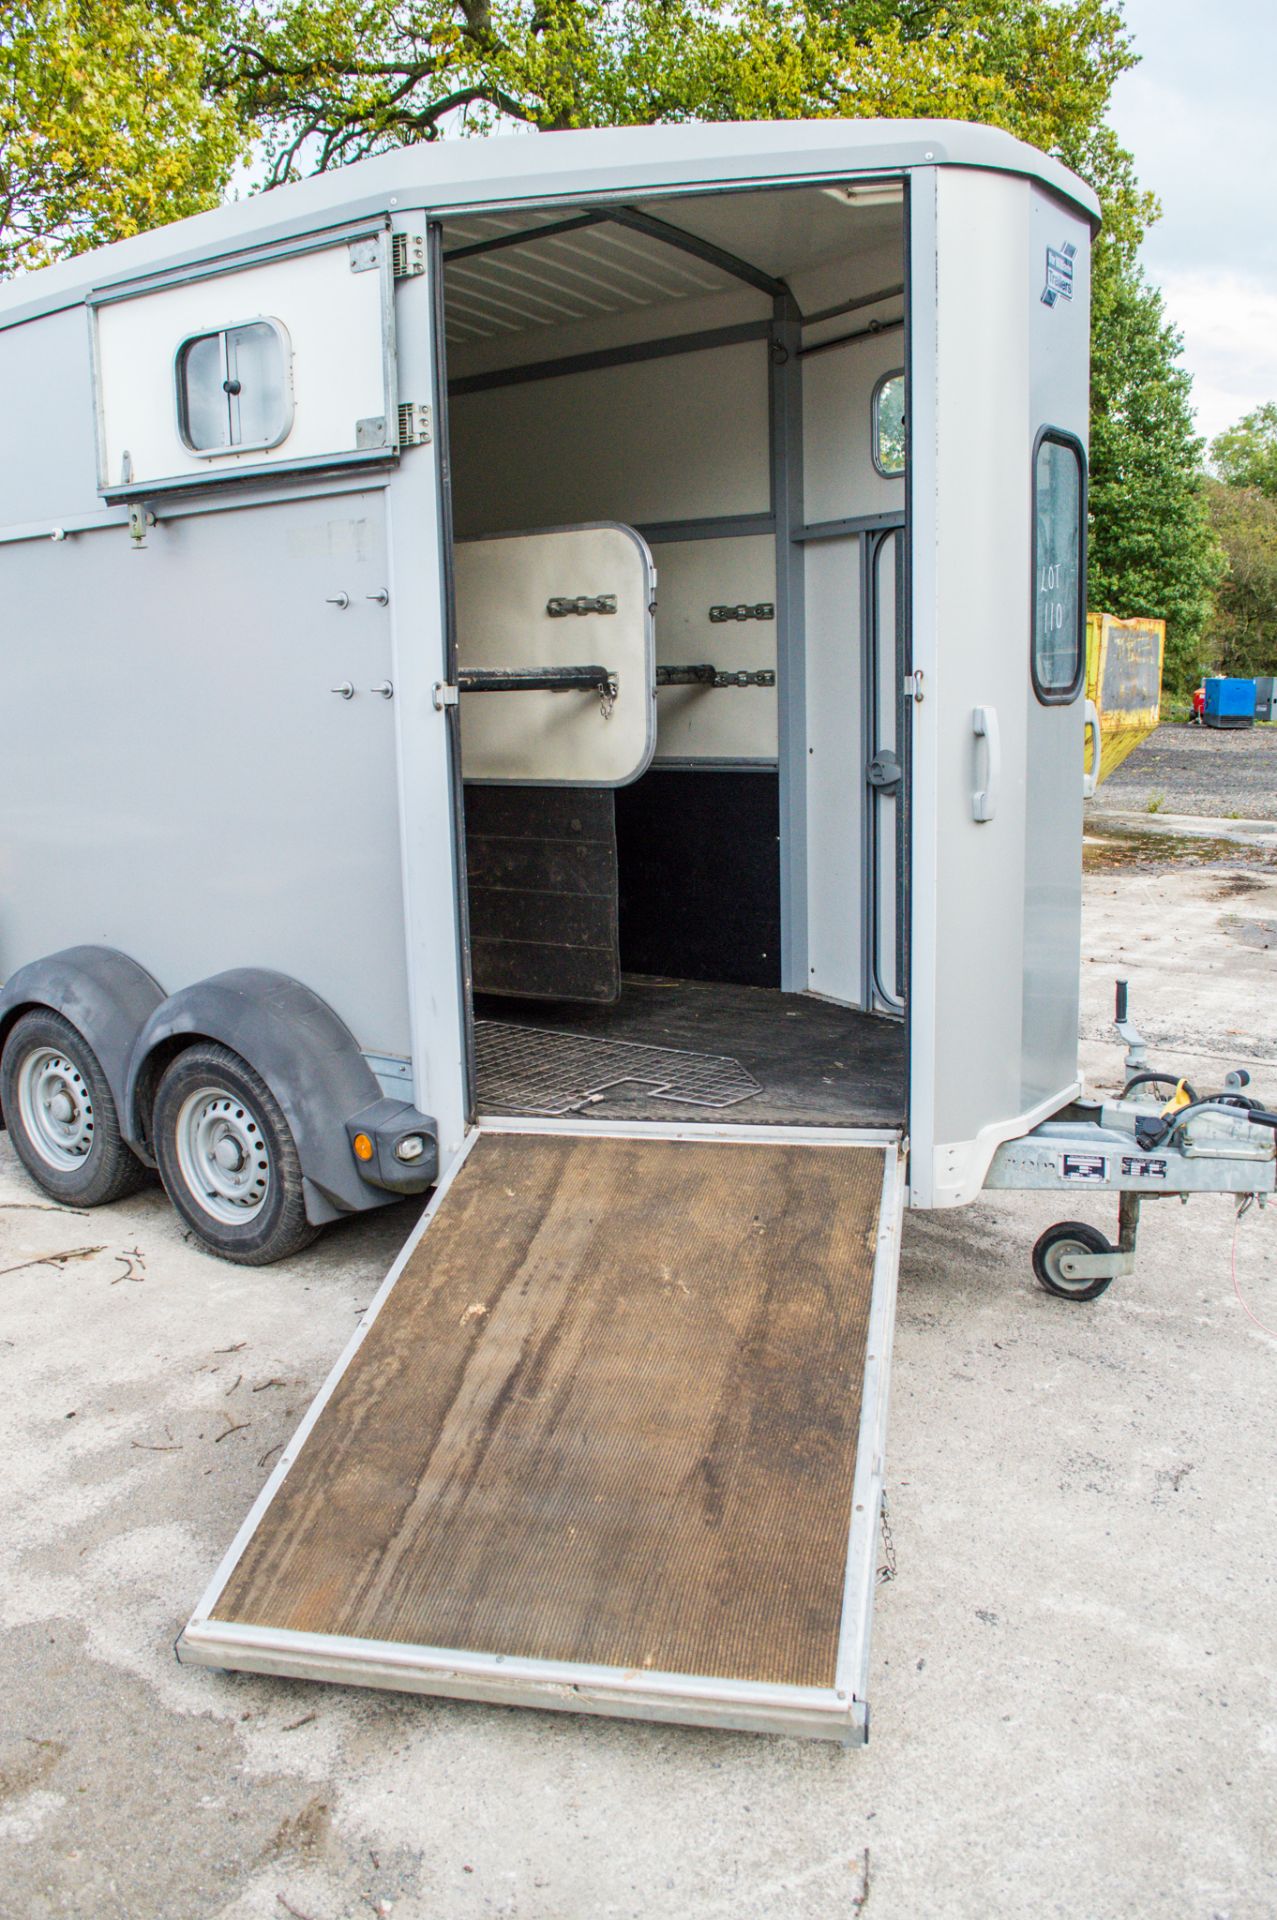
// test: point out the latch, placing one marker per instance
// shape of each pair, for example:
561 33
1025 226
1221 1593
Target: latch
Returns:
763 610
883 771
560 608
707 676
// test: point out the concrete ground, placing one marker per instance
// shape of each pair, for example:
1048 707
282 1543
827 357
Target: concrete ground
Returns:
1075 1710
1230 772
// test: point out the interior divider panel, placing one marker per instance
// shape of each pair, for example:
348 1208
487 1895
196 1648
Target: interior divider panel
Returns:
608 1413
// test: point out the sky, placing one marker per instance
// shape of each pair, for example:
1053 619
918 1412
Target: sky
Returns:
1200 116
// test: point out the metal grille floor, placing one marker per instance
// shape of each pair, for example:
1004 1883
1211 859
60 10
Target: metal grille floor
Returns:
537 1070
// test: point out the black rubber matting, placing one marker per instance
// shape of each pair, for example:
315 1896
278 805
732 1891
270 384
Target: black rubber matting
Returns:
816 1064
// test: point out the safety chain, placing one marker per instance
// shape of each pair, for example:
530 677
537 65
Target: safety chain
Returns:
608 690
887 1571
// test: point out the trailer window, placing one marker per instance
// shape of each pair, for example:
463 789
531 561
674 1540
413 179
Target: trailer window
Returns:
1059 570
889 424
234 388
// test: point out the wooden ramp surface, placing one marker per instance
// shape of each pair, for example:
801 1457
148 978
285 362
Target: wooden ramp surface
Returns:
608 1413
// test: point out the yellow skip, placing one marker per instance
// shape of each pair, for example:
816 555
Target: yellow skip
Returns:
1124 683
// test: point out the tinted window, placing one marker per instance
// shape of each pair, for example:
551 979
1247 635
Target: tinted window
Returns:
1059 616
889 424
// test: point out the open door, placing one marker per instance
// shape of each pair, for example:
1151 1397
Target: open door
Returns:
557 692
999 407
592 1451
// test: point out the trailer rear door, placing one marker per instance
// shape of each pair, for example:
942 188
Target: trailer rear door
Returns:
609 1439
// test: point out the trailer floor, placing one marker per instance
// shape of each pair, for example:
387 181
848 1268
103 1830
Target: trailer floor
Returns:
590 1425
813 1062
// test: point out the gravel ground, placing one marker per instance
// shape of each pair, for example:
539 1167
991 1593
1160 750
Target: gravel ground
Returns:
1199 770
1075 1705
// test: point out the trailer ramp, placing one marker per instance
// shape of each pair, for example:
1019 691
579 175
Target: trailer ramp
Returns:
609 1439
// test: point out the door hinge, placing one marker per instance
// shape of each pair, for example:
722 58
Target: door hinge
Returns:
408 255
445 695
913 686
414 424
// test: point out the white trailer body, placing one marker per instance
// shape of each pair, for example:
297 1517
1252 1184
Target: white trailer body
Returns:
576 639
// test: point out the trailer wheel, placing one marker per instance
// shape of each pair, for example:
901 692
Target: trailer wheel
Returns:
227 1158
60 1114
1069 1236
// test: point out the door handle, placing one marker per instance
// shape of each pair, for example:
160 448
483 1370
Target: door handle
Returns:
1091 780
984 800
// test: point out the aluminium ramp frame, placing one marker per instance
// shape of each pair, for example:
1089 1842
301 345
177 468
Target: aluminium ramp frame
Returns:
609 1439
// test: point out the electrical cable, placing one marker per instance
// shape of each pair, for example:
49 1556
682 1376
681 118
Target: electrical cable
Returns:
1270 1331
1157 1079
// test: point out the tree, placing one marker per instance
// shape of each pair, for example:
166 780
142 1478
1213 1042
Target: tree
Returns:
1244 628
1246 455
106 123
1152 548
334 80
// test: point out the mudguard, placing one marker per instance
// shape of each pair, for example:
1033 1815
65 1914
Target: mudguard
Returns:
305 1054
106 996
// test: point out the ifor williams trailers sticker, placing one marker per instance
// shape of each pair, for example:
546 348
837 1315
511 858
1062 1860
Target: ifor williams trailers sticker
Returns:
1059 274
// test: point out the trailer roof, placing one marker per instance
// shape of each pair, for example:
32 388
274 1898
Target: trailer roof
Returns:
541 168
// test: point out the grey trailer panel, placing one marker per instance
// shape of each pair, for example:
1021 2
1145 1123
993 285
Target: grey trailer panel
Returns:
200 731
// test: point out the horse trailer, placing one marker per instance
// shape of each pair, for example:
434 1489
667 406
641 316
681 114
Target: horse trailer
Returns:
546 672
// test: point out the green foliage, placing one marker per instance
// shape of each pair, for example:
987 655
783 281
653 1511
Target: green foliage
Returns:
1152 548
1244 629
331 81
1246 455
106 125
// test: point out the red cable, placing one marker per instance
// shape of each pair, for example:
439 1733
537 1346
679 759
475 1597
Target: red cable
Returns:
1237 1290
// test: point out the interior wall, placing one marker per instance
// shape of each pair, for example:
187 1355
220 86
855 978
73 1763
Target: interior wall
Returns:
677 438
838 387
732 724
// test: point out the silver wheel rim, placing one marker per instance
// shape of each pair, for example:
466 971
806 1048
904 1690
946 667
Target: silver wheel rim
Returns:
56 1108
223 1156
1054 1254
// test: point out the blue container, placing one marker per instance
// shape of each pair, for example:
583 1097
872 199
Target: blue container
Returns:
1230 703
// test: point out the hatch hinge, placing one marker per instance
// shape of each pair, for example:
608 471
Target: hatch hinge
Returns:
414 424
408 255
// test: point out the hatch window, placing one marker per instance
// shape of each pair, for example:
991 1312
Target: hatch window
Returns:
889 425
1059 567
234 388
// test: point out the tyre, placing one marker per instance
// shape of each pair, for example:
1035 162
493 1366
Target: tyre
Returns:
227 1158
1069 1236
60 1114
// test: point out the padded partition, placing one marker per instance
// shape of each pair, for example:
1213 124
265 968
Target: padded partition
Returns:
715 723
573 597
699 858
